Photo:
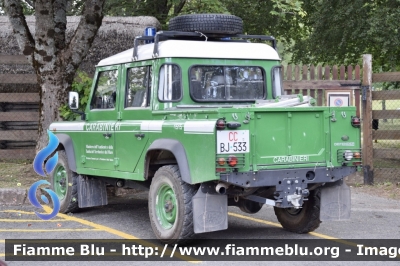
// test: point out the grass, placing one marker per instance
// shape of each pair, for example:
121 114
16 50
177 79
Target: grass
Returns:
17 174
386 190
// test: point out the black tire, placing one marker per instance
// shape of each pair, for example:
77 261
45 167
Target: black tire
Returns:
303 220
249 206
67 189
207 24
181 229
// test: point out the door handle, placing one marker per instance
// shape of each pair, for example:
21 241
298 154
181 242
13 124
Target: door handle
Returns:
107 135
139 135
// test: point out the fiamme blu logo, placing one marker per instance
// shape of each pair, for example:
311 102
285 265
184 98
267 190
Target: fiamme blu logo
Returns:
49 166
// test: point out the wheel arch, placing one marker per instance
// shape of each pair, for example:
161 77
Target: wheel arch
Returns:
176 148
67 144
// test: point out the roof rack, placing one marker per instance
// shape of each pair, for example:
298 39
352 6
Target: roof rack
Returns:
179 35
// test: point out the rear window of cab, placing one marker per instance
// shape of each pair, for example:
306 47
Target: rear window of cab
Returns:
211 83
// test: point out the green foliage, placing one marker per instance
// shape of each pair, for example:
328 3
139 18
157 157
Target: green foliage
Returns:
259 16
204 6
341 31
281 7
279 18
156 8
82 84
28 10
163 10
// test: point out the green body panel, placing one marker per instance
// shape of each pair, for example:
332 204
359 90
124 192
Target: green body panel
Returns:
291 136
97 149
114 143
343 137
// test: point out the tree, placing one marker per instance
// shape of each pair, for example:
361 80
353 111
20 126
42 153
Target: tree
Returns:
161 9
341 31
256 14
54 60
279 18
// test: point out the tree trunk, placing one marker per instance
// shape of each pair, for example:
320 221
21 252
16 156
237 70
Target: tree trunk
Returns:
55 61
53 95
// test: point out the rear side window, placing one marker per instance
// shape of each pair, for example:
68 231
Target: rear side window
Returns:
169 86
227 83
105 93
138 87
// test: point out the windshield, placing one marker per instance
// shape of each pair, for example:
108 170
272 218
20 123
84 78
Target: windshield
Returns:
226 83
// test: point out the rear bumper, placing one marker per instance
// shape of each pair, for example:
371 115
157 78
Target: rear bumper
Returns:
281 177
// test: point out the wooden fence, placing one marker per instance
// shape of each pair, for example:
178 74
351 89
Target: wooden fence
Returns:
19 115
316 81
391 151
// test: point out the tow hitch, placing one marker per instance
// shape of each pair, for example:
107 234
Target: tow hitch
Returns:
294 200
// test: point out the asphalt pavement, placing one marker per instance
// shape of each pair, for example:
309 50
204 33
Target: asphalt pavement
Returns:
127 218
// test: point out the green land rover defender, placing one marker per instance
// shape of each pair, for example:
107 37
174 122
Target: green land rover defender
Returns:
198 116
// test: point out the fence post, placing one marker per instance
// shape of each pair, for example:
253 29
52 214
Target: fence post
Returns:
367 148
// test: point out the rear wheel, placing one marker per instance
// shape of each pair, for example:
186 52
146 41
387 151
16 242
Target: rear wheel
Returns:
302 220
64 184
170 206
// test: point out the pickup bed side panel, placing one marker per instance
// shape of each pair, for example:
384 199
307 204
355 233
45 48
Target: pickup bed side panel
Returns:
198 143
344 137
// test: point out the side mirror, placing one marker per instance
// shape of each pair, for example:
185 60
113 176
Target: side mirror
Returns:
73 100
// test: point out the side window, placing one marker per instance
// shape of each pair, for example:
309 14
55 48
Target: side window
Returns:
105 93
138 87
169 87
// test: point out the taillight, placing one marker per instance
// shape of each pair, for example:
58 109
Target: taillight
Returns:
229 162
221 161
232 160
355 121
221 124
348 155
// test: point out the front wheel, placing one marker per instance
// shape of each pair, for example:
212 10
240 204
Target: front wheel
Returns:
64 184
302 220
170 206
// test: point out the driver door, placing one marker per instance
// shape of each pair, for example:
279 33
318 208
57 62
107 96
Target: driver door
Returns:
99 138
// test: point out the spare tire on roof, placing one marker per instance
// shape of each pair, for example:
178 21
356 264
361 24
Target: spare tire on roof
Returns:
220 24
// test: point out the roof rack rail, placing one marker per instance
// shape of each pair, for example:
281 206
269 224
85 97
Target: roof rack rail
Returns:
168 35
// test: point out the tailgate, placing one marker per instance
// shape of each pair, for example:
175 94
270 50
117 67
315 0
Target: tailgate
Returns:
291 137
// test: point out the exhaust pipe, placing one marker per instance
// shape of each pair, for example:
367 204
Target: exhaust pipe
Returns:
221 188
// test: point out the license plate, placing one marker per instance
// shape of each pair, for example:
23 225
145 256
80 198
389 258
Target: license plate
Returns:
233 141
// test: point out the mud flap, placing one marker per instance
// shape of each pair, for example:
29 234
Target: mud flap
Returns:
210 212
91 192
335 202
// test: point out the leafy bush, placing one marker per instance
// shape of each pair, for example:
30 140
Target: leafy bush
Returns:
82 84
